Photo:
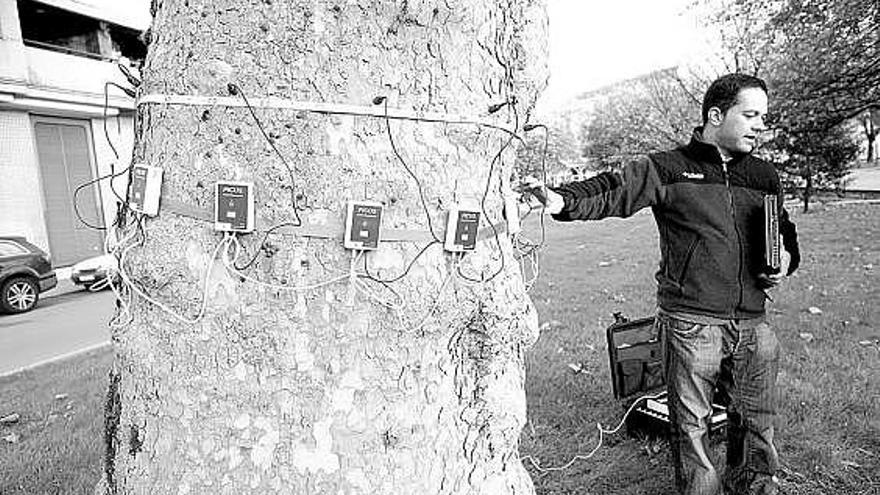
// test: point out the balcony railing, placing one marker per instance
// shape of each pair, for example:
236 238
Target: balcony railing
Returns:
67 50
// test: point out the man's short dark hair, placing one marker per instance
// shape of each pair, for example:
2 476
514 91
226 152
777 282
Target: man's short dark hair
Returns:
723 91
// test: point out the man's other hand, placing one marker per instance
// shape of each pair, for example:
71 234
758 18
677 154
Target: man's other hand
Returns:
532 186
768 280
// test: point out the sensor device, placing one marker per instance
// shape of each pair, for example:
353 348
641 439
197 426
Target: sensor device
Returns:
461 229
146 187
363 221
234 206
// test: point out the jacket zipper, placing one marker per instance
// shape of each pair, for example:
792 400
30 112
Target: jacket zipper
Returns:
739 262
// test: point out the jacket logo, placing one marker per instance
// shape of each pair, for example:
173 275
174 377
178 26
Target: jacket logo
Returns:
693 175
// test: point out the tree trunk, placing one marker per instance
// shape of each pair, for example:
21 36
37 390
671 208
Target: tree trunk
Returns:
869 124
357 386
808 188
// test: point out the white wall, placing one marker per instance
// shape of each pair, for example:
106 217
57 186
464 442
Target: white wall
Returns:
121 132
21 192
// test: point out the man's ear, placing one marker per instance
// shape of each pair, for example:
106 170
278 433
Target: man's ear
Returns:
715 116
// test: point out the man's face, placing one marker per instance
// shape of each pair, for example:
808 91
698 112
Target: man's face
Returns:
740 127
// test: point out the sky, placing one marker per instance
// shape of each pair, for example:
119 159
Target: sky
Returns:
597 42
592 42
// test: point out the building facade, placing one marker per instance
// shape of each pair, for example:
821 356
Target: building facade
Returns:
57 135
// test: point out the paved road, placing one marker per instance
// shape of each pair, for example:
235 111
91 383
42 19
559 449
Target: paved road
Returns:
66 319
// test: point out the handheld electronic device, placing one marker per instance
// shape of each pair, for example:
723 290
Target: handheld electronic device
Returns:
234 206
363 222
772 254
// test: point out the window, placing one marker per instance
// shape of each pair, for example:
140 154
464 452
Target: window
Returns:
51 28
10 248
48 27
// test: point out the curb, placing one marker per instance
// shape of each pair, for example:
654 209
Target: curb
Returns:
62 357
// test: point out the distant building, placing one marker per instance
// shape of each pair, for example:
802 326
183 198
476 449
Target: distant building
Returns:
55 58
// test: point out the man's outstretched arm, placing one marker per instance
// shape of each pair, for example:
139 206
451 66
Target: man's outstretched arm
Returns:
609 194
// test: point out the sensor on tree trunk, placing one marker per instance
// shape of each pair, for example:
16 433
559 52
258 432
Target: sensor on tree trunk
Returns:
146 187
363 221
234 207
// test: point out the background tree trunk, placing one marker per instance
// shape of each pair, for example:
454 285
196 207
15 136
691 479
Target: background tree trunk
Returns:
808 188
326 390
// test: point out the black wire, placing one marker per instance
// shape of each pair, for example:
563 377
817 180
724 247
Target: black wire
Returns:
405 272
540 244
544 180
261 245
112 175
234 88
107 134
107 104
495 159
413 175
87 184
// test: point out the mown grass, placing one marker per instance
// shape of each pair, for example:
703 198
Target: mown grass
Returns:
829 424
59 440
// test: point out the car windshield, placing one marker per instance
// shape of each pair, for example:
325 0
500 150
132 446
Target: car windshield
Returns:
10 248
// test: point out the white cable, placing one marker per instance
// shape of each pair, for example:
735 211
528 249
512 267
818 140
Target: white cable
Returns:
531 255
162 306
284 287
433 305
231 268
368 291
124 299
602 432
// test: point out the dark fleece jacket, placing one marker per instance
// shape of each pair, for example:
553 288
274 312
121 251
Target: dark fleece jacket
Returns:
711 221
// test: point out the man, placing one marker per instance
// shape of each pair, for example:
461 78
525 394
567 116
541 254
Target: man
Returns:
707 199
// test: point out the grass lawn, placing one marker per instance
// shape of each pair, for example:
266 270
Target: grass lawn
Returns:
828 431
829 426
59 438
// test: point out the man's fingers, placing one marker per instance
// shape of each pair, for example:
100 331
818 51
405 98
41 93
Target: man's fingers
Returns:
765 281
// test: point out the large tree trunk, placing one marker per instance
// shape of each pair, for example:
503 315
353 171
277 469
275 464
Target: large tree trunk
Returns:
356 387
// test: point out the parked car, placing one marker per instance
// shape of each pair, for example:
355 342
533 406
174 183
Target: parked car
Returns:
25 273
95 273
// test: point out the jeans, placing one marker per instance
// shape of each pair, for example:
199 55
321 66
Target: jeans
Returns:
741 360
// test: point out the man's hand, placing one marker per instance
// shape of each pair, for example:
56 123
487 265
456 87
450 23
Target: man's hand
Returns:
768 280
552 201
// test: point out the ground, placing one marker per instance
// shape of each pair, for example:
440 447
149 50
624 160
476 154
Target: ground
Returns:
830 377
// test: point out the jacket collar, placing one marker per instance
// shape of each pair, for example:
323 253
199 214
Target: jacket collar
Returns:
707 152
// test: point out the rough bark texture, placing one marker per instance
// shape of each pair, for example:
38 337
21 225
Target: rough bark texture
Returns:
326 390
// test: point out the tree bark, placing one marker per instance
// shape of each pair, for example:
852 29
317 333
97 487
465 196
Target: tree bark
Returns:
356 386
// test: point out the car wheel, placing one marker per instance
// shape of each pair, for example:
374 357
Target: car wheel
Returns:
19 294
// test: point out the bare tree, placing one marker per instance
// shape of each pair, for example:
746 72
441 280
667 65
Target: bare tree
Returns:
279 362
870 121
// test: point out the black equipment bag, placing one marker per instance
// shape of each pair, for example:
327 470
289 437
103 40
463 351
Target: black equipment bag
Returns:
635 353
